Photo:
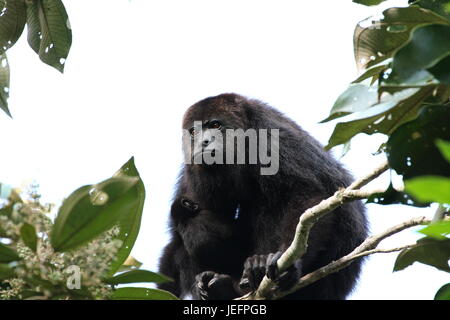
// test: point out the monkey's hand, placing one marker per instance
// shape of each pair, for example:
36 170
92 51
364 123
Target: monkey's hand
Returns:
213 286
257 266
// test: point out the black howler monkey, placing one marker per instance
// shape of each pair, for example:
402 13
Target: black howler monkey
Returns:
217 254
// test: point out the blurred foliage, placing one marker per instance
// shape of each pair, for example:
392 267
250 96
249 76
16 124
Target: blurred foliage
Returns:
78 255
403 92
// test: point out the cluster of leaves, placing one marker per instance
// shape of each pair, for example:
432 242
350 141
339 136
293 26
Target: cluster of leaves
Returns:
404 93
49 35
94 231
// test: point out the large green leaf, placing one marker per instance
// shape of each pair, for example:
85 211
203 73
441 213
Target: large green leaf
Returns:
443 293
427 46
357 97
138 276
380 40
429 188
91 210
12 22
429 251
49 33
7 254
28 235
129 221
383 117
411 149
4 83
130 293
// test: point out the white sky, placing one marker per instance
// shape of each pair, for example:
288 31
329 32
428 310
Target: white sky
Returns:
136 66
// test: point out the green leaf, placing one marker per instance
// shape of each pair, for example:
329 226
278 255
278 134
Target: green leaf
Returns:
442 7
6 271
91 210
356 98
429 189
427 46
429 251
49 33
129 221
130 293
443 293
7 254
383 117
373 73
138 276
411 149
379 40
369 2
441 70
4 83
28 235
12 22
444 147
392 196
438 230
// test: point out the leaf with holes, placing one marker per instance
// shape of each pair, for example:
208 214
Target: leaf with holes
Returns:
427 46
12 22
377 41
49 33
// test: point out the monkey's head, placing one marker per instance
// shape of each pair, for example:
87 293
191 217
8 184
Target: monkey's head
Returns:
206 125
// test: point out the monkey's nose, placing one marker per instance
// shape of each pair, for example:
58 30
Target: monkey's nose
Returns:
207 141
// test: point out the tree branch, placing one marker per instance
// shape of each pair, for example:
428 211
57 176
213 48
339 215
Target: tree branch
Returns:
366 248
307 220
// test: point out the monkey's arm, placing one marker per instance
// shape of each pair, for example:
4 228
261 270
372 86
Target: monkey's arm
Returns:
168 266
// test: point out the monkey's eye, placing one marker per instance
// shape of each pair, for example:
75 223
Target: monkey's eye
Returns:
188 204
215 124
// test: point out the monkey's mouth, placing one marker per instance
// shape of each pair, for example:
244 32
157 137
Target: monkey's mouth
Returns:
211 152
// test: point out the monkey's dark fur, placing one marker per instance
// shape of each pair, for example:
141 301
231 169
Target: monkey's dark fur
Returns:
235 250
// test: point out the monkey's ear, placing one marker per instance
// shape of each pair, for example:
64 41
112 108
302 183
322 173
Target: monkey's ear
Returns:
189 205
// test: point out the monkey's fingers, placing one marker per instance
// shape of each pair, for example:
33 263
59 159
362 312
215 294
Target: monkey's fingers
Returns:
254 271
